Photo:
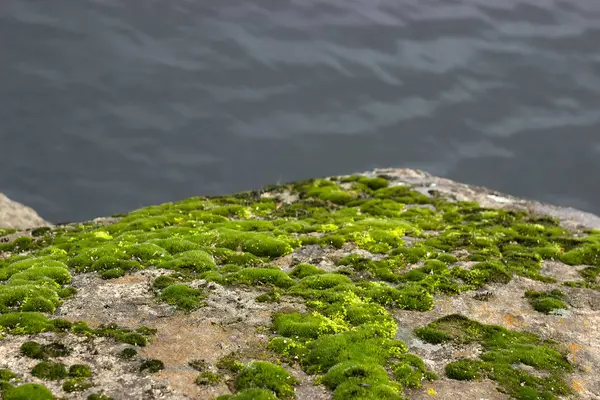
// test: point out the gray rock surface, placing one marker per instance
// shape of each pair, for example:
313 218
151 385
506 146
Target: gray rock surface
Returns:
16 215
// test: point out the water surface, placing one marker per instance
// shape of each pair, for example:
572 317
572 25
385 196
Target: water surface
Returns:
110 105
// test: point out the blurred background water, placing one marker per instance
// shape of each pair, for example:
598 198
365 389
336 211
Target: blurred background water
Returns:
110 105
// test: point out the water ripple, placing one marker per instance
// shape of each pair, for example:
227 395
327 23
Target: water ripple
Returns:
112 104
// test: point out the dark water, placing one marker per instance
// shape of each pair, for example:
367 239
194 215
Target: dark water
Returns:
109 105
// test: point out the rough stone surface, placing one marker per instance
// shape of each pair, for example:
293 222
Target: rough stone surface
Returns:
233 321
18 216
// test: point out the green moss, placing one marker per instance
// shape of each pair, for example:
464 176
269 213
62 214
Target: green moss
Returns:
127 353
352 390
193 260
289 348
503 350
466 369
163 281
49 370
207 378
152 365
183 297
264 375
6 375
241 259
261 276
546 302
80 371
410 371
6 231
25 323
269 297
41 352
28 391
303 270
348 318
140 337
305 326
112 273
230 362
28 298
76 385
366 374
588 254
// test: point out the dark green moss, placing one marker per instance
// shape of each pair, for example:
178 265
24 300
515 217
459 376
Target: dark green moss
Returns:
230 362
269 297
152 365
76 385
163 281
112 273
207 378
127 353
49 370
35 350
503 349
80 371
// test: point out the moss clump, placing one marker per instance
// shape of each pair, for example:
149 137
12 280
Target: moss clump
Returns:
269 297
261 276
49 371
264 375
163 281
207 378
28 297
503 349
546 302
192 261
466 369
230 362
139 337
6 375
303 270
410 371
306 326
80 371
152 365
588 254
76 385
6 231
28 391
25 323
183 297
127 353
41 352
